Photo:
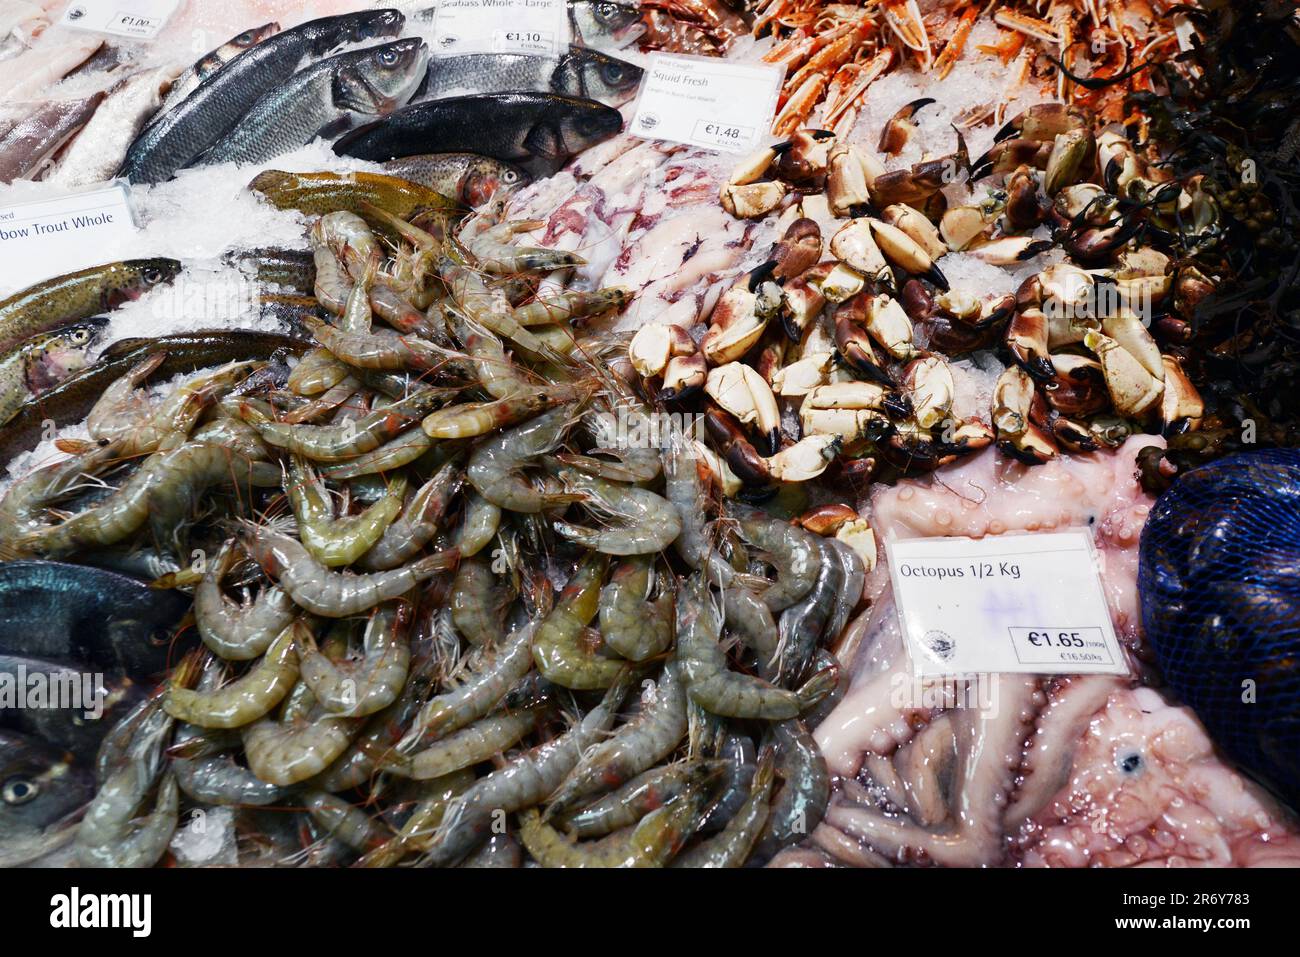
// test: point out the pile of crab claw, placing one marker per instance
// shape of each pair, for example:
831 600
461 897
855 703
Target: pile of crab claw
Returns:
855 334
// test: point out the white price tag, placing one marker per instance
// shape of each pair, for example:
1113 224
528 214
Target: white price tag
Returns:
139 19
707 102
1018 603
37 239
540 27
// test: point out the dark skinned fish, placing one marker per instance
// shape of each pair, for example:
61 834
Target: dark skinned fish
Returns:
63 612
34 139
71 400
218 103
468 178
40 788
210 63
326 98
580 72
538 131
79 295
37 365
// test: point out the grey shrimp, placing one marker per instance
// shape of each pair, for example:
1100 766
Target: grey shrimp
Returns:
651 521
634 626
217 778
477 605
733 846
685 489
346 439
238 632
374 682
418 522
248 697
336 542
107 835
805 791
790 548
639 744
332 594
721 691
470 745
801 625
496 465
524 781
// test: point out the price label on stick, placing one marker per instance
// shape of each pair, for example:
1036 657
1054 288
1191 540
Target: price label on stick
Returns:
138 19
540 27
39 240
707 102
1018 603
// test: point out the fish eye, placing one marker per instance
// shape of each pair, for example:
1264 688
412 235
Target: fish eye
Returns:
244 39
1130 762
388 58
152 275
509 176
613 73
607 12
16 791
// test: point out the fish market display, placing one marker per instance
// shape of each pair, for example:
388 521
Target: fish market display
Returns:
441 475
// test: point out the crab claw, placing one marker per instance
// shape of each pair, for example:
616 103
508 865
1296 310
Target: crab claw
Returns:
802 300
853 343
1018 434
744 393
1044 122
1009 250
735 449
805 459
1066 163
900 128
855 245
737 323
799 249
906 253
889 326
1026 339
1078 387
1134 390
1024 208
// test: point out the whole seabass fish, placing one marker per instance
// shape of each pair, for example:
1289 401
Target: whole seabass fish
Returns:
538 131
211 62
207 114
580 72
42 362
32 141
72 399
79 295
41 789
98 149
604 25
466 177
326 98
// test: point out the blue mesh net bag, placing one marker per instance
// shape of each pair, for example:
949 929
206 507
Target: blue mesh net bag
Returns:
1219 582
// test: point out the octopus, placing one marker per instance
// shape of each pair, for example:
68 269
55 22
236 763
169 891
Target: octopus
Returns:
1034 771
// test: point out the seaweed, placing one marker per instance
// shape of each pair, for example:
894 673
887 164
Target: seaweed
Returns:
1227 119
